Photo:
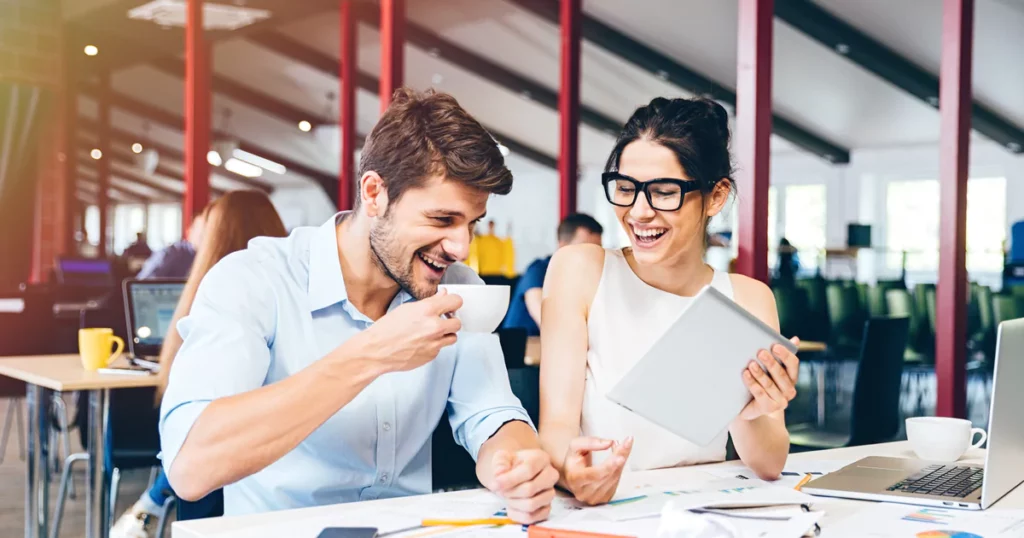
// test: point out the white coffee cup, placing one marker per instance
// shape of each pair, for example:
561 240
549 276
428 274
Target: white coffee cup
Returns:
942 439
483 307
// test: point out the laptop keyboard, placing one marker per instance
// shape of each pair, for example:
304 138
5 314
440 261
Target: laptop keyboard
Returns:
942 480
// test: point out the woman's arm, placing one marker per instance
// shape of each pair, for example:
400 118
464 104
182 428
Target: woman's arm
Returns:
569 288
759 433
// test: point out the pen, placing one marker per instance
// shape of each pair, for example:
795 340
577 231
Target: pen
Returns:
466 522
803 482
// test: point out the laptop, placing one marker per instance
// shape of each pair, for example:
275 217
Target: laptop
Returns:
963 486
149 307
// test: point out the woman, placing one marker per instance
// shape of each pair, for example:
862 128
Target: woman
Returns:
231 221
668 174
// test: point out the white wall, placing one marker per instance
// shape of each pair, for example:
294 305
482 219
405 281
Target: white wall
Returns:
302 206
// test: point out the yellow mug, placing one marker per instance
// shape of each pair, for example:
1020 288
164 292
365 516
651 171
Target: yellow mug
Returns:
94 347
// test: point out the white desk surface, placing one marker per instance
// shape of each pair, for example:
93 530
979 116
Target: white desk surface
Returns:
309 521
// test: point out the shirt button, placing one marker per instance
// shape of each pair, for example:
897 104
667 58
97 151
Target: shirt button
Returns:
384 478
387 426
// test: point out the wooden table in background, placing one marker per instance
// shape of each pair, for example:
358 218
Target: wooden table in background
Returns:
44 375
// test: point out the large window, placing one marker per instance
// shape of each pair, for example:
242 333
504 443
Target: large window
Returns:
912 224
805 222
128 220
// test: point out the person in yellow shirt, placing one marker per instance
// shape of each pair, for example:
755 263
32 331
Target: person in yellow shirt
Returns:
490 251
509 254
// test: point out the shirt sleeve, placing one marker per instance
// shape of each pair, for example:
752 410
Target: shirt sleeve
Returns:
225 350
534 276
480 400
152 265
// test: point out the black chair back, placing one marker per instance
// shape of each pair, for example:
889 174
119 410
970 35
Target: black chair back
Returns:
210 506
451 466
513 346
876 394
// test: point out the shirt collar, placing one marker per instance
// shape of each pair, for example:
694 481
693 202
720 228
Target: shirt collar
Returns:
326 283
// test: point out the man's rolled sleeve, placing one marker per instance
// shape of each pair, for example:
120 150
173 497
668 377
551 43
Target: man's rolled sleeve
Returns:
225 348
481 400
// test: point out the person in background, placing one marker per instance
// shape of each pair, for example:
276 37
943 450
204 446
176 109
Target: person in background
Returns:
231 222
176 259
508 254
138 249
667 175
524 309
491 253
314 369
788 263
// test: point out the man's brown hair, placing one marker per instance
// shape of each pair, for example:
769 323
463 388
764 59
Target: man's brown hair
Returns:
427 134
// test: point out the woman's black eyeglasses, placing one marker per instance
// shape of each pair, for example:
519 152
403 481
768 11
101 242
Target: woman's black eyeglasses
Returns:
665 194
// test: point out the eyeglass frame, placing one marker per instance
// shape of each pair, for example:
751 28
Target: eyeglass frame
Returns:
685 186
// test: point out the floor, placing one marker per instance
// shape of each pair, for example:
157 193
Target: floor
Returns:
12 490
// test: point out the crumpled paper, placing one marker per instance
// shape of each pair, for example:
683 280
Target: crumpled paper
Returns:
677 522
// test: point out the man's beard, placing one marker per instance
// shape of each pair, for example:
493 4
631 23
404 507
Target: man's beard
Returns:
388 259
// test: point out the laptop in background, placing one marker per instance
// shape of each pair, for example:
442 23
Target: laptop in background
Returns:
964 486
149 307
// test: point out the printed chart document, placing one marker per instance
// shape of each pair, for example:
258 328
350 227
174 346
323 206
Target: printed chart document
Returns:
792 474
886 520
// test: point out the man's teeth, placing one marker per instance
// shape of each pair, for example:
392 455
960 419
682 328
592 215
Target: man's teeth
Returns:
654 232
432 263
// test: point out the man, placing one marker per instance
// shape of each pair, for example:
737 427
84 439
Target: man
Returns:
524 310
315 367
491 253
176 259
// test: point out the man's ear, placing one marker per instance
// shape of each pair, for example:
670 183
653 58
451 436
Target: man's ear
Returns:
373 194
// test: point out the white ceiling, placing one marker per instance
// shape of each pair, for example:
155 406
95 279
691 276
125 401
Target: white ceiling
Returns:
813 86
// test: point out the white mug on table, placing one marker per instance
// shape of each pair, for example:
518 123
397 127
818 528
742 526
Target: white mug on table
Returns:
942 439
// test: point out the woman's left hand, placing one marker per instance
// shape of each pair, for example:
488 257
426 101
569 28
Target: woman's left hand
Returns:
774 389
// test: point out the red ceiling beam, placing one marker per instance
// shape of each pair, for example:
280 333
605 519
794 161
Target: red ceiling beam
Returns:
103 165
198 99
347 110
392 49
569 106
753 133
954 144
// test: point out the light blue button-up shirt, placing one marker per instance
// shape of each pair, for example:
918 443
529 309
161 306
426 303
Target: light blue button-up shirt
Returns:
267 312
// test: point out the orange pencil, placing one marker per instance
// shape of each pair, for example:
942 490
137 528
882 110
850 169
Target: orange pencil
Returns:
803 482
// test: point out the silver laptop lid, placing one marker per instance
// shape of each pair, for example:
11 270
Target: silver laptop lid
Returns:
1004 461
149 308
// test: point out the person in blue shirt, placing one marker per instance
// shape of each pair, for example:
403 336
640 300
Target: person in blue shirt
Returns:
524 310
314 368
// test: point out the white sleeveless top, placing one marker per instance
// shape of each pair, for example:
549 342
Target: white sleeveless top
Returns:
626 318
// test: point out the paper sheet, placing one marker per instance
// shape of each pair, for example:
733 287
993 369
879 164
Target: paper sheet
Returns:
792 474
733 492
796 526
887 520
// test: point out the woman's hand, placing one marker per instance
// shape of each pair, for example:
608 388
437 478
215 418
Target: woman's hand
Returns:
593 485
774 389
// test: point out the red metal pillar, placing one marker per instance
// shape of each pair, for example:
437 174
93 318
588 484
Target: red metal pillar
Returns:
569 106
197 116
392 51
954 142
753 133
347 110
103 164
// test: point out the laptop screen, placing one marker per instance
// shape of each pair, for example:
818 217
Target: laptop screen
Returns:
152 306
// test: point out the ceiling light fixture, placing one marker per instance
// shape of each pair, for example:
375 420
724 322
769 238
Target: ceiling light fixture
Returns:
96 154
136 148
243 168
256 160
91 50
213 158
305 126
147 157
503 149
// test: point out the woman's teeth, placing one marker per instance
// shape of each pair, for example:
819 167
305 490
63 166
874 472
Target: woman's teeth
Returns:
650 234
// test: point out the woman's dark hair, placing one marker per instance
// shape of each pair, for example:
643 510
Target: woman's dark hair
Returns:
697 132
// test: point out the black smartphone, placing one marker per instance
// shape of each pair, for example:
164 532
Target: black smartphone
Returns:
348 532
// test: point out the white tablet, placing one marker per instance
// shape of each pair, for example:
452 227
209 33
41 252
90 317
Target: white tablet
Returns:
691 380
